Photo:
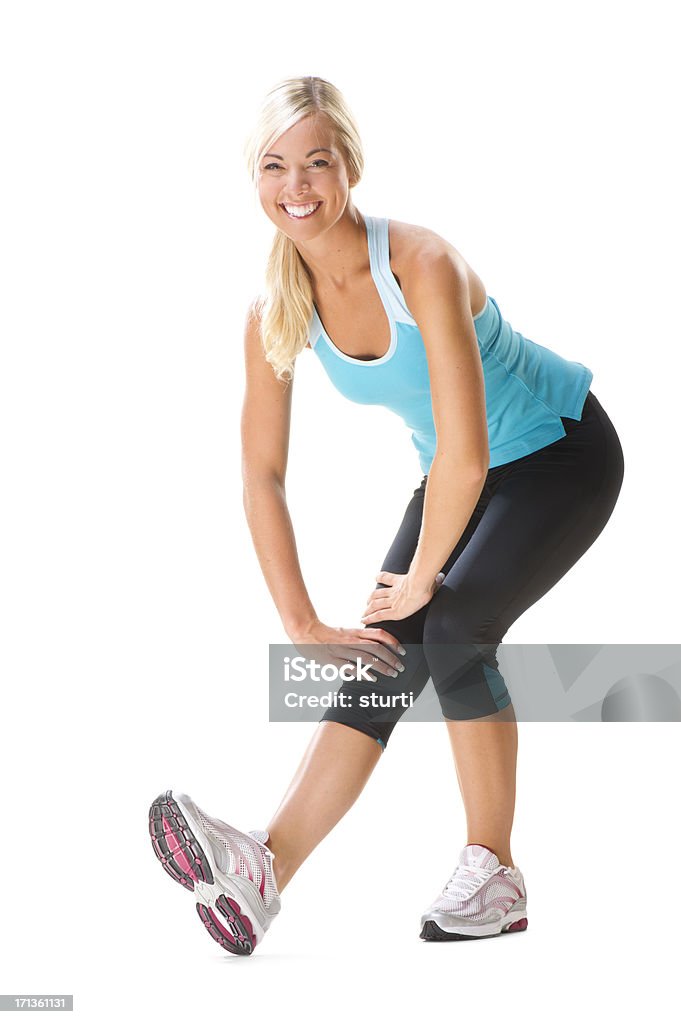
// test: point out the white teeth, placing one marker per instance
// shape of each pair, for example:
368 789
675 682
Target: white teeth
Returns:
301 211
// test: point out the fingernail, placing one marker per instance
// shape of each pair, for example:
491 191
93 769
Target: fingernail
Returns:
401 650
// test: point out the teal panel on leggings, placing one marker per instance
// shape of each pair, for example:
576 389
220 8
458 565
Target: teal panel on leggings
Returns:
527 387
497 686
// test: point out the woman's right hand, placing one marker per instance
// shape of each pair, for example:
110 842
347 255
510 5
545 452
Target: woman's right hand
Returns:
335 645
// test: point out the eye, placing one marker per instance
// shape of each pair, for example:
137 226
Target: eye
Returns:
274 166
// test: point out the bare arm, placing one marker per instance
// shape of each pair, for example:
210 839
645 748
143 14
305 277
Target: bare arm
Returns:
265 430
436 289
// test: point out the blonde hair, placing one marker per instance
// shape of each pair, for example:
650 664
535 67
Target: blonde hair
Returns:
286 306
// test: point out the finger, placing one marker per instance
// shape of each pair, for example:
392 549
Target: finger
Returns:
378 658
376 614
380 642
385 613
368 669
379 602
350 665
383 637
371 608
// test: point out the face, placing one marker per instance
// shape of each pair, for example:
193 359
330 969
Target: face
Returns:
302 170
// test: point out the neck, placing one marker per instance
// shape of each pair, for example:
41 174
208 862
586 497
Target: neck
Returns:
340 254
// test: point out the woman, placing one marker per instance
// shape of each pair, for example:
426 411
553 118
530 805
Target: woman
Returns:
522 469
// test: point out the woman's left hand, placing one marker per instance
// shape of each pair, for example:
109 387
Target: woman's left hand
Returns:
399 599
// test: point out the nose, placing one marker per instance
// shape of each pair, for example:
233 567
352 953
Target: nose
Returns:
298 183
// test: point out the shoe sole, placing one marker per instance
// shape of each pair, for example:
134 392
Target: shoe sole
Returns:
185 860
432 932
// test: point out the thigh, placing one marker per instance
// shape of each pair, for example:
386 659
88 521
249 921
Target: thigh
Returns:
401 551
400 554
398 560
542 514
410 630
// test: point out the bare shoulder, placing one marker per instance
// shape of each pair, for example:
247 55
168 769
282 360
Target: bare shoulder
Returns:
252 336
253 320
408 241
253 313
413 246
259 371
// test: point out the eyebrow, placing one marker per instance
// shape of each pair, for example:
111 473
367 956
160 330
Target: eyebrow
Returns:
321 150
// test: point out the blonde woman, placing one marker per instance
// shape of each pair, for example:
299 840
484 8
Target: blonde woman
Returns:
521 471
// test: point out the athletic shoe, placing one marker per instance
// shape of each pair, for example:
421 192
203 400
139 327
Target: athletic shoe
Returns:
229 871
481 898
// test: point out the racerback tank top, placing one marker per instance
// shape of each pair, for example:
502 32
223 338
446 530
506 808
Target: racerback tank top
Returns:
527 387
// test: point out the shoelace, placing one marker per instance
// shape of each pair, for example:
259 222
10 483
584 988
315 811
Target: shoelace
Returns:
465 880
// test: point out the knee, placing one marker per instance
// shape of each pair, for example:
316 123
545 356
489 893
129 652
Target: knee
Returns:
379 732
454 617
408 630
461 654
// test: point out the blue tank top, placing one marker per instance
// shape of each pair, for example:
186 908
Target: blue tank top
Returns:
527 387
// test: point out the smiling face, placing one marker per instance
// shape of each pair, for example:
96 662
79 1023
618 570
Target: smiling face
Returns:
304 171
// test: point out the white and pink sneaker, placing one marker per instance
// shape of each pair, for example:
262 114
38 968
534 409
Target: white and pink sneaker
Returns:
230 872
482 897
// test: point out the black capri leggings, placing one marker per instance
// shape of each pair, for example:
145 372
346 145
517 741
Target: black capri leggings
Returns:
536 516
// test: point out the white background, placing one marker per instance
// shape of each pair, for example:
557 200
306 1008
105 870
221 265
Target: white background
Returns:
540 139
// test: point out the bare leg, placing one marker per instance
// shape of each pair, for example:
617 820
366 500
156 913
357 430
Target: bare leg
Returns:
333 772
485 757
